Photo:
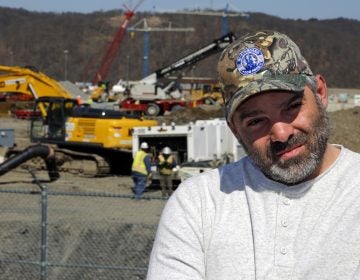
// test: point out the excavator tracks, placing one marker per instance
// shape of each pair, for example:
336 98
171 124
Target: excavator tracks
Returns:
85 164
68 161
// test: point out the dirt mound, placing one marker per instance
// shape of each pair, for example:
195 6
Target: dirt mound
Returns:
186 115
346 128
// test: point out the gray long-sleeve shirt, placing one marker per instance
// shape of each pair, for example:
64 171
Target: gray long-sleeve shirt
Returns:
234 223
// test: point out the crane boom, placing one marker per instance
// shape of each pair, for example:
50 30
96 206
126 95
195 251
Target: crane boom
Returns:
113 47
158 93
149 87
214 47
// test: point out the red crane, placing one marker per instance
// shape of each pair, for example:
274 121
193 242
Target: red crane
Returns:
113 47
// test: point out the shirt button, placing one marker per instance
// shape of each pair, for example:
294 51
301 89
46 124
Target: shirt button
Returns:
284 223
286 201
283 250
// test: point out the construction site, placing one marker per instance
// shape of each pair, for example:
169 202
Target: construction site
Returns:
66 149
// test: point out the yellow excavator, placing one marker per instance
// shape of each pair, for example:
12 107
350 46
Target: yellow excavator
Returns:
88 140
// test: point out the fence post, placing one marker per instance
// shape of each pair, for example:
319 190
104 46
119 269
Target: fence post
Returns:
44 228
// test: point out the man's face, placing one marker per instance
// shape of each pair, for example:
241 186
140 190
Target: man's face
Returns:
285 134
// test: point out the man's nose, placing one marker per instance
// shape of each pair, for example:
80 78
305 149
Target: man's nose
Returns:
281 131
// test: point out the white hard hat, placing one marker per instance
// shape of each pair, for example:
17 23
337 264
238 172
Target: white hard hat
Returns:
144 145
166 151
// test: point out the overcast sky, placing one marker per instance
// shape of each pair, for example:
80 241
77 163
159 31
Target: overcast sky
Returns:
305 9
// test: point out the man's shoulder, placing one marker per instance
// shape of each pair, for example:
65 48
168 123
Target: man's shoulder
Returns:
351 157
225 178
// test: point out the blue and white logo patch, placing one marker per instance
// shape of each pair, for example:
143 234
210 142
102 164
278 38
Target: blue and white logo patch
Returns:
250 61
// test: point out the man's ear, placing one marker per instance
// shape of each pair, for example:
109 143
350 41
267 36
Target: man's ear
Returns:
321 90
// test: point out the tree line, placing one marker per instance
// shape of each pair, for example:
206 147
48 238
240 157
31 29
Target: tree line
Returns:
71 45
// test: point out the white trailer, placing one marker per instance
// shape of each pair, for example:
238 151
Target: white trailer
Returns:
202 141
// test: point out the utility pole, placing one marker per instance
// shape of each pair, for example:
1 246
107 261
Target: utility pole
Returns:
66 52
142 26
225 20
11 53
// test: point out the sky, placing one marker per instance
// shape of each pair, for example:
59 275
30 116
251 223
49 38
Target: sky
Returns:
287 9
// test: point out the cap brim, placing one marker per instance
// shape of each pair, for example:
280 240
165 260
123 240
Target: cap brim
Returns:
289 82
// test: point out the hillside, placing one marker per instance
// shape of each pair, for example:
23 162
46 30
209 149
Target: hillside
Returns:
39 39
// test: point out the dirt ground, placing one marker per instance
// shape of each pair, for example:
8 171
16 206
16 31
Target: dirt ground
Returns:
96 222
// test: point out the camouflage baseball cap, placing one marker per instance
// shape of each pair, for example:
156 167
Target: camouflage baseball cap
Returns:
263 61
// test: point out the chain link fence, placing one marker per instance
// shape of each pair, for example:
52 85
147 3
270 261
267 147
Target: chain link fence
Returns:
75 235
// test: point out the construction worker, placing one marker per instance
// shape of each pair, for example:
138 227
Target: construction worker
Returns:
78 100
141 170
166 163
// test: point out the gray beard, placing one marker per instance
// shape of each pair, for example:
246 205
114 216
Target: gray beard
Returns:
298 169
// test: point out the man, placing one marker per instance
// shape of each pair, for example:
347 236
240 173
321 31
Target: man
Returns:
166 163
141 170
290 210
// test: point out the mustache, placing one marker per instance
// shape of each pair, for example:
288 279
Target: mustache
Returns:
292 142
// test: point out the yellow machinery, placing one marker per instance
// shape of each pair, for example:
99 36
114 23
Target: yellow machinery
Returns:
208 91
92 141
29 81
98 94
101 92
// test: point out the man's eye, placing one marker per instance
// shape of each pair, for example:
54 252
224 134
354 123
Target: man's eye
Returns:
253 122
295 105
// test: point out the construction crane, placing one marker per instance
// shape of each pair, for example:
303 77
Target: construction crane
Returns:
99 80
142 26
224 16
158 93
114 45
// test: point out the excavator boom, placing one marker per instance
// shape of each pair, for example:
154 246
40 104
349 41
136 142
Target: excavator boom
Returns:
31 82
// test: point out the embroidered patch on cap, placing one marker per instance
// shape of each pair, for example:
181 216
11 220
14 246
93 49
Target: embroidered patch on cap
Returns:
250 61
